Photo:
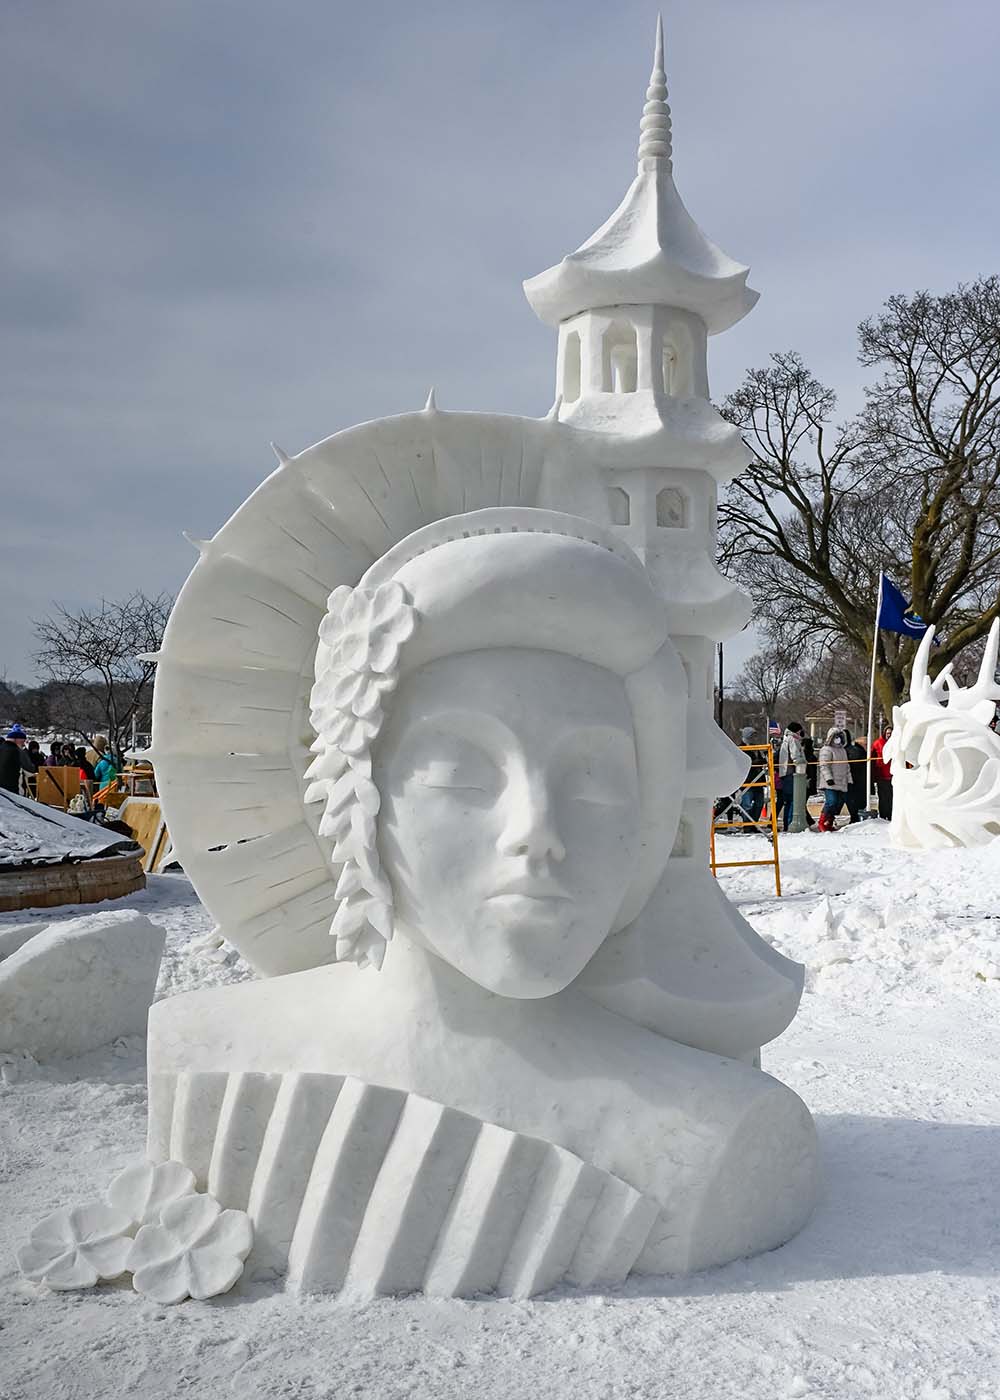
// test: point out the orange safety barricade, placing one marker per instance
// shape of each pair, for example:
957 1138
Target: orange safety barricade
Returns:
771 820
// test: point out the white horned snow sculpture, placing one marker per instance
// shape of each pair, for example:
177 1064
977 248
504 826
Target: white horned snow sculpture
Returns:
434 738
945 757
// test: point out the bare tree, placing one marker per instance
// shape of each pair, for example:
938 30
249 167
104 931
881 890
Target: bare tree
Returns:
93 656
769 678
912 486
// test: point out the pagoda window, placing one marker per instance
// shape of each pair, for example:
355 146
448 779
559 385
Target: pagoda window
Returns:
678 360
571 367
671 508
621 359
669 369
619 506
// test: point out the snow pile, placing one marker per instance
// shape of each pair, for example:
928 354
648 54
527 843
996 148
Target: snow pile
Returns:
890 1293
884 919
79 983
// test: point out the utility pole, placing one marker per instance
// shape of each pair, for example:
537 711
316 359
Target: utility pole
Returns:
721 691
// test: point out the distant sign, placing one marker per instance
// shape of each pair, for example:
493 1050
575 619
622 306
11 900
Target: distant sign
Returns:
840 719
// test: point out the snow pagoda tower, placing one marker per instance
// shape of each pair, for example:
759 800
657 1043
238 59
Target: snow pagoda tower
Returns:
634 307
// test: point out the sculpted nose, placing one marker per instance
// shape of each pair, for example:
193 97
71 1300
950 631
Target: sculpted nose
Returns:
530 829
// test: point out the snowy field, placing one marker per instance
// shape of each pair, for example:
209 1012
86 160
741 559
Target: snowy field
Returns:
891 1292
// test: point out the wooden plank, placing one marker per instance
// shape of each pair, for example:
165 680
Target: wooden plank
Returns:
144 818
57 786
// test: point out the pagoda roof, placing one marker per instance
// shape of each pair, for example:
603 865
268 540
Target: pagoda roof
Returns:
650 251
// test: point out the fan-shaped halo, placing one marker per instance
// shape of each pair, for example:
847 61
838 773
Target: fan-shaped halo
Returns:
231 732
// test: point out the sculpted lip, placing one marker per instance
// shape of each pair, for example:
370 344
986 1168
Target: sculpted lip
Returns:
531 889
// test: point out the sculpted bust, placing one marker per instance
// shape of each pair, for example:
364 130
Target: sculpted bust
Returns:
459 1103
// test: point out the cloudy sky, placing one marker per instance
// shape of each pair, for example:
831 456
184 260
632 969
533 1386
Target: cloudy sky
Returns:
227 221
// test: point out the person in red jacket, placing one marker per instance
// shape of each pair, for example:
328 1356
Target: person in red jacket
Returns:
882 775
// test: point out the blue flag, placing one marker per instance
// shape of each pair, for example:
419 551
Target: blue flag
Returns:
895 613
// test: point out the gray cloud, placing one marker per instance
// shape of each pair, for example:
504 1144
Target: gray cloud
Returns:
232 222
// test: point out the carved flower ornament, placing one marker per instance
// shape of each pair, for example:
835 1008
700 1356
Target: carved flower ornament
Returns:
76 1247
195 1251
185 1245
144 1190
358 668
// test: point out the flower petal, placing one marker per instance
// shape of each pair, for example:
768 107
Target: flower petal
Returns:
71 1270
231 1232
143 1190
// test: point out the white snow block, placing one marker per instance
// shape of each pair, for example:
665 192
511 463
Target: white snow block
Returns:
16 936
77 985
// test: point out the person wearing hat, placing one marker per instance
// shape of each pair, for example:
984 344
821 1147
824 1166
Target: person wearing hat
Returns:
752 800
11 764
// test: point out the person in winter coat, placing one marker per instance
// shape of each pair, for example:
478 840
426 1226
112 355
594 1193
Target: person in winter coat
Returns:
98 748
55 758
105 769
791 760
882 774
834 777
752 800
810 749
11 766
83 763
857 797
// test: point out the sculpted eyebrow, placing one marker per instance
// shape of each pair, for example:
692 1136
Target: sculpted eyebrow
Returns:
485 732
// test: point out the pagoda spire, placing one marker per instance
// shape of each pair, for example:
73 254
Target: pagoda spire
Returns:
654 128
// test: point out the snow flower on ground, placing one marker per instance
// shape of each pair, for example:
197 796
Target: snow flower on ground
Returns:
142 1191
196 1251
74 1248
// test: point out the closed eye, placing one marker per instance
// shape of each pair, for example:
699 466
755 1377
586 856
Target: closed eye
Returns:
596 797
453 787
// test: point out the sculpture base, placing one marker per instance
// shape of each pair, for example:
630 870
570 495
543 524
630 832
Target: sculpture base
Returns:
483 1161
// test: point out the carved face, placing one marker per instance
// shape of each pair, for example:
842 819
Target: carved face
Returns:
510 822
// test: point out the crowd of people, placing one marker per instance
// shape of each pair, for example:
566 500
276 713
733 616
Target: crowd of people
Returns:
21 759
838 771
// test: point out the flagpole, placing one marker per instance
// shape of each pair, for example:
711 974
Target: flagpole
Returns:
871 693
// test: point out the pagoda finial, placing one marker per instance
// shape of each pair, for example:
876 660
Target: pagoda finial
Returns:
654 129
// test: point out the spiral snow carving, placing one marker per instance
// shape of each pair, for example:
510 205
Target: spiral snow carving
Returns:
945 758
357 664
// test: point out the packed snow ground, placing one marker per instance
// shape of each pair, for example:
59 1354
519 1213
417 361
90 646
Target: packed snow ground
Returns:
891 1291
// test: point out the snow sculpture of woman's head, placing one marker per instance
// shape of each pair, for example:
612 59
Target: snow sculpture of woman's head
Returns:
501 750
